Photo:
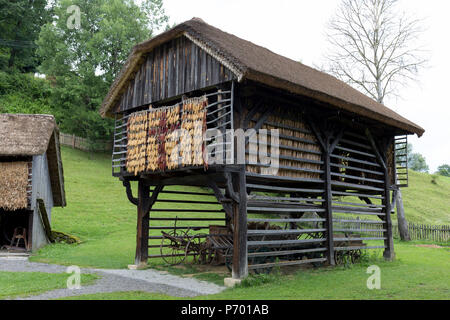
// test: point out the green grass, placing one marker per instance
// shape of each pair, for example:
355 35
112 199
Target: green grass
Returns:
426 202
22 284
417 273
100 214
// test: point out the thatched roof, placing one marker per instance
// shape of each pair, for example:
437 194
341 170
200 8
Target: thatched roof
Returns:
250 61
24 135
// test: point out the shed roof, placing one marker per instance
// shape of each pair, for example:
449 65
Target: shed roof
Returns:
250 61
30 135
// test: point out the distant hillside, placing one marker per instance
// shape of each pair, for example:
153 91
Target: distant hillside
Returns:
426 202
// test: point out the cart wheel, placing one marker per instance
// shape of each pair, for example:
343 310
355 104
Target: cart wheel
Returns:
171 251
356 256
193 247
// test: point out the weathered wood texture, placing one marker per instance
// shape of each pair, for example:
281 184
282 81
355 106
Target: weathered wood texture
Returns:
170 70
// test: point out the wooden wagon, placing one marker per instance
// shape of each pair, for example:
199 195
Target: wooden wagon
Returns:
264 138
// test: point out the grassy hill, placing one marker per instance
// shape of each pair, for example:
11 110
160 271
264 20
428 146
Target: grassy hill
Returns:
425 201
100 214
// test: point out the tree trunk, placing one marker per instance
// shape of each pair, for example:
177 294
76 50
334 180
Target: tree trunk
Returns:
402 223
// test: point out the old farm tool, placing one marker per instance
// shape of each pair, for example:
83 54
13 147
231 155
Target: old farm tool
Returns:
177 244
347 251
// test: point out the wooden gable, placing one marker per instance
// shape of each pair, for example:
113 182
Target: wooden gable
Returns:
176 67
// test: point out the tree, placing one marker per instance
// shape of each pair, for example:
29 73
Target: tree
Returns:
444 170
373 47
83 60
20 24
417 162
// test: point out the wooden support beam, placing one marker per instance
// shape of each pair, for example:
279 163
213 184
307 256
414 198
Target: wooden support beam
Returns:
375 149
328 145
226 204
389 242
129 192
328 196
145 202
240 252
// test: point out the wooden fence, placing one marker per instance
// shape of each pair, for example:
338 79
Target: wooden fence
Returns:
419 231
416 231
83 144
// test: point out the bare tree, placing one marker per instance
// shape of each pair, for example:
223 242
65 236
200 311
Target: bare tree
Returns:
374 47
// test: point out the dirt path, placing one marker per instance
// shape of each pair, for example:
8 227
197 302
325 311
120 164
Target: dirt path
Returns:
116 280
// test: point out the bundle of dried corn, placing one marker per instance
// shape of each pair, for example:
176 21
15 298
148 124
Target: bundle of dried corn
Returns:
13 186
172 138
152 142
137 142
155 143
193 121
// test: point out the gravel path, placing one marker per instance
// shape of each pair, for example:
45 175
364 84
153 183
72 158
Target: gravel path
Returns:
116 280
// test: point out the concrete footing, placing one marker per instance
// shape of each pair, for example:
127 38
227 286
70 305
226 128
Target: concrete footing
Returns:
140 266
230 282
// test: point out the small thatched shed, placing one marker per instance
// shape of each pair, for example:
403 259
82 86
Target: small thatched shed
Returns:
31 178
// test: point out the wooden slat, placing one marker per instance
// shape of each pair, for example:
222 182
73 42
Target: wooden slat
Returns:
283 242
356 152
347 176
187 201
284 179
194 228
283 189
298 169
283 232
358 221
353 194
284 220
350 159
284 252
277 210
282 199
359 239
359 230
187 210
358 248
358 204
185 219
379 173
285 263
359 212
355 186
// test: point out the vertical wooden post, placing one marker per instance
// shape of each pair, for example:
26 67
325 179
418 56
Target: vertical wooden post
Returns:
389 241
30 230
328 145
142 224
328 196
240 262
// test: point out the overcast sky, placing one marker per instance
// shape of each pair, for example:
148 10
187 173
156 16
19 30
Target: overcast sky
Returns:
296 29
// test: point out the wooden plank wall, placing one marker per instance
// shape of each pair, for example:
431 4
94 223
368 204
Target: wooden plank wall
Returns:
172 69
